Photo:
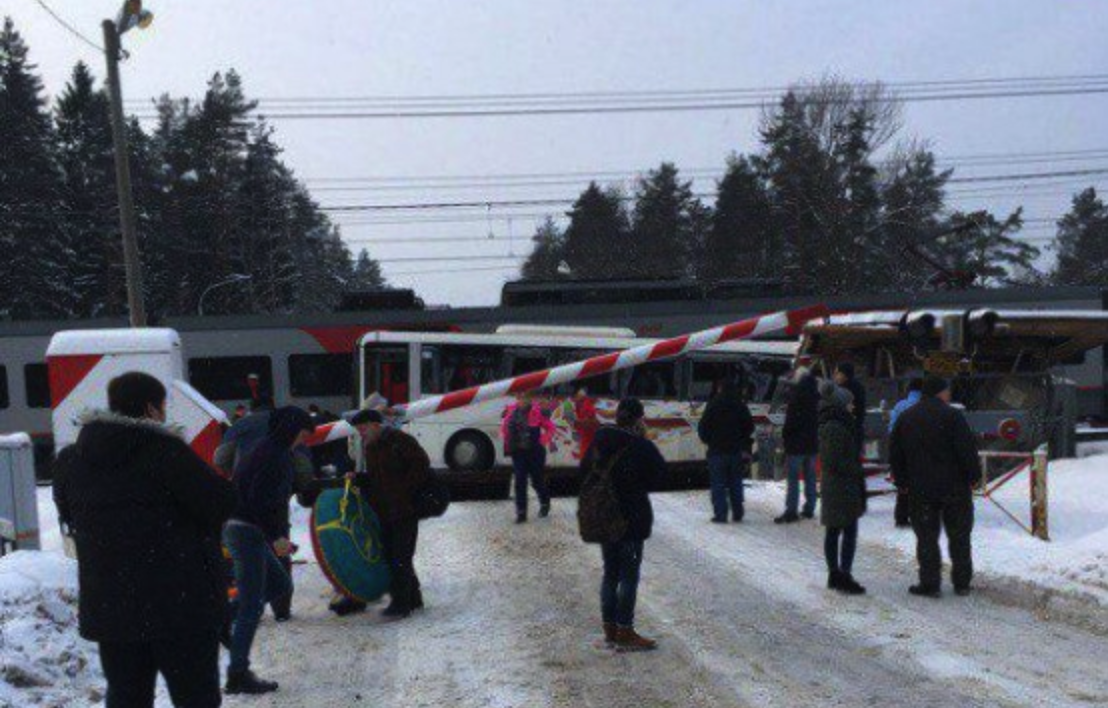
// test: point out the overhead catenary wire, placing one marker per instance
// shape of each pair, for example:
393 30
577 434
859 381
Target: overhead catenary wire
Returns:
69 27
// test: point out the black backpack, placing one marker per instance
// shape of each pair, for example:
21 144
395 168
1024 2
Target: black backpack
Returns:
519 432
599 514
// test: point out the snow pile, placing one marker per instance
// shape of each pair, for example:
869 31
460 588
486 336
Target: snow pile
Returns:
43 661
1075 561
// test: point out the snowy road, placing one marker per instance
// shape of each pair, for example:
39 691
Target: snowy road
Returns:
740 611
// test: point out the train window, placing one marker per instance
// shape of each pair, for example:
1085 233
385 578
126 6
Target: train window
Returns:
37 382
654 380
461 366
3 386
225 378
321 375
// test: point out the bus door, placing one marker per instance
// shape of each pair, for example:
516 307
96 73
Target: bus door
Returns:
386 371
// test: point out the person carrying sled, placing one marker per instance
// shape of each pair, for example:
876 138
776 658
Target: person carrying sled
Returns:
145 512
614 510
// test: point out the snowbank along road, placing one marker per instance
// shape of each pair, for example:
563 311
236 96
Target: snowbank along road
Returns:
740 610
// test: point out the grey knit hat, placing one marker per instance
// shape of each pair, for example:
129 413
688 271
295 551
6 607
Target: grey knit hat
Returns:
831 394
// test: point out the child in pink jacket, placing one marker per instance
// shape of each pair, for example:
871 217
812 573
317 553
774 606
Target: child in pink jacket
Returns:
525 441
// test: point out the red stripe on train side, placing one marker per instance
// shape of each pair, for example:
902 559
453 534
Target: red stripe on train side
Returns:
66 372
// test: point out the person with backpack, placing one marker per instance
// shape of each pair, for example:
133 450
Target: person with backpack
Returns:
526 431
727 428
620 469
145 512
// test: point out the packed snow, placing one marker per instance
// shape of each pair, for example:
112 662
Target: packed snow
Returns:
741 612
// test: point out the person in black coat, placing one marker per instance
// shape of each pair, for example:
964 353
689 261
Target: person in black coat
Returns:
145 512
637 471
933 452
801 439
258 533
727 428
846 376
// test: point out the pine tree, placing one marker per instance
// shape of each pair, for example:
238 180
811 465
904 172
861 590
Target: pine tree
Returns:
367 273
597 240
742 241
986 247
547 254
34 282
86 154
667 225
913 197
1082 242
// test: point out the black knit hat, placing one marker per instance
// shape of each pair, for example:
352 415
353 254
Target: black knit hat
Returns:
934 385
366 417
130 394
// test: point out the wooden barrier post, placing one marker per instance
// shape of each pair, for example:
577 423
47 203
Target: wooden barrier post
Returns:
1039 507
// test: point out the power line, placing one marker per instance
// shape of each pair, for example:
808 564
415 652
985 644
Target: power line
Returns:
72 30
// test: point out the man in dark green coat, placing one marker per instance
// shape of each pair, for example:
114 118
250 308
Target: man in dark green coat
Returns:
842 486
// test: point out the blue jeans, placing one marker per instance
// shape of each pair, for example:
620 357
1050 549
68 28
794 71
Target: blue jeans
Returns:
806 465
530 464
726 475
259 578
620 588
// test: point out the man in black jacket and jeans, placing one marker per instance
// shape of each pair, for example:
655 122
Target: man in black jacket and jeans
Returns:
727 428
933 452
800 436
145 513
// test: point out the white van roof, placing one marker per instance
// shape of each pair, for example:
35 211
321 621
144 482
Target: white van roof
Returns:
104 341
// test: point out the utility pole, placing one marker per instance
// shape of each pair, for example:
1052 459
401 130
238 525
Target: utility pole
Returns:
135 304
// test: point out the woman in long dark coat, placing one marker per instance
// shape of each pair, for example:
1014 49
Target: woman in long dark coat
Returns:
842 487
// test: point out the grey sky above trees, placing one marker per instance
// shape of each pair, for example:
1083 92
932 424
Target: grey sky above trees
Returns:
359 48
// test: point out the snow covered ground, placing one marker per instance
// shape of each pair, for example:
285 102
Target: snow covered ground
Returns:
740 610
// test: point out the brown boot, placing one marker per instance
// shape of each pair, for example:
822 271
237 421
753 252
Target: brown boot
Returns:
627 639
610 632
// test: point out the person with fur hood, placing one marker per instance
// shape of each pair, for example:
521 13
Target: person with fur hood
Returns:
146 512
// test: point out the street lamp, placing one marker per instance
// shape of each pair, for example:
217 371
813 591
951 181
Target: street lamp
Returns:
235 278
131 15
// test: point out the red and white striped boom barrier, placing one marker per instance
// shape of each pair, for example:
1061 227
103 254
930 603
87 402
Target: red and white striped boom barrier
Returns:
790 321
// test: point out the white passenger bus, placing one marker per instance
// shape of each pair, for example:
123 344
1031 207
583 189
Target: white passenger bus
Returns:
405 366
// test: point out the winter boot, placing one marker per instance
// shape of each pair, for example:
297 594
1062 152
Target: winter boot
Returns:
963 591
245 682
417 599
835 580
808 514
921 591
396 612
344 606
521 517
610 633
628 640
786 518
849 586
544 510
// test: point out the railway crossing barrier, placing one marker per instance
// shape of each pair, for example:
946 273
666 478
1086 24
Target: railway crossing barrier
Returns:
1035 464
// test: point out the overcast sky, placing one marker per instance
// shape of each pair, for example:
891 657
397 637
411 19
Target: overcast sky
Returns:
321 48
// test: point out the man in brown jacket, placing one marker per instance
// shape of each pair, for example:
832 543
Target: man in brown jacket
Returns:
396 469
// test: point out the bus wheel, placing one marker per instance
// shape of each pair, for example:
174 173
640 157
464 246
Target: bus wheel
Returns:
469 451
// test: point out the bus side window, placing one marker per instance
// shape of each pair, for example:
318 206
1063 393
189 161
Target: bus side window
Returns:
526 361
600 386
463 366
657 380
